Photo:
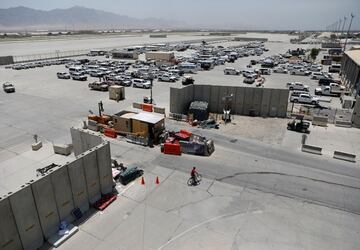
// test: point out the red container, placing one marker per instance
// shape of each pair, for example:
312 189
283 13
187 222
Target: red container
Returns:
110 132
183 135
147 107
172 148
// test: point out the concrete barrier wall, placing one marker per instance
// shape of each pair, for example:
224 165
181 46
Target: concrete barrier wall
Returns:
92 176
6 60
344 156
78 184
246 100
9 236
83 140
159 110
26 218
104 167
46 205
63 195
311 149
320 121
33 213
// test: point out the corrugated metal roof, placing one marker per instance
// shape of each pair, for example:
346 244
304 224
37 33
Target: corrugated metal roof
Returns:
354 55
148 117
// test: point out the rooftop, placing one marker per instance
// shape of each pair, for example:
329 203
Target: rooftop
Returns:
354 55
148 117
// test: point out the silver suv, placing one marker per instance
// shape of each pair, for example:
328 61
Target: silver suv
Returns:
141 83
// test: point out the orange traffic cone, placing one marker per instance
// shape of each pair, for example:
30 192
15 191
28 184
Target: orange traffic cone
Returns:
142 181
157 180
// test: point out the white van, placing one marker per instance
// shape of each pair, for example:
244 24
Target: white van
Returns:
187 67
76 69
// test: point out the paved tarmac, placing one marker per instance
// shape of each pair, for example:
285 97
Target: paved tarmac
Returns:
254 195
213 215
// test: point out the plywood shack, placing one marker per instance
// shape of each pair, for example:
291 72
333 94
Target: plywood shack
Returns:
148 125
122 122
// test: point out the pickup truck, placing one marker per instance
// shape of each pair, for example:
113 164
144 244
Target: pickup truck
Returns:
99 86
297 86
304 98
333 89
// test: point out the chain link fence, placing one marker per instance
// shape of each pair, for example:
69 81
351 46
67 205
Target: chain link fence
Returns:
74 53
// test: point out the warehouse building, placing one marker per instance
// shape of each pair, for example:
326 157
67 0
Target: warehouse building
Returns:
160 56
350 69
123 54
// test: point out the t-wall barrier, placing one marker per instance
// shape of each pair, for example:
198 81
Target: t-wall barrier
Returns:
264 102
31 215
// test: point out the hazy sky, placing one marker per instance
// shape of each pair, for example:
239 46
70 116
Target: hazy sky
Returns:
262 14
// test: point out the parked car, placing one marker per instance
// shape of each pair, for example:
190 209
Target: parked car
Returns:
102 86
317 75
300 72
299 125
130 174
78 76
333 89
249 80
335 68
9 87
187 80
325 81
123 82
304 98
63 75
263 71
280 70
141 83
167 78
231 71
297 86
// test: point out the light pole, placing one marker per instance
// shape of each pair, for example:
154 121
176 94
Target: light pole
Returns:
347 35
338 29
342 30
151 94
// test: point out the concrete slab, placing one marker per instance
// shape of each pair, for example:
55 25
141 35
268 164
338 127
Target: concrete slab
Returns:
56 240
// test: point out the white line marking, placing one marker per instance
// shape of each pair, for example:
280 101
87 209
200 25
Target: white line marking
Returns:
199 225
125 189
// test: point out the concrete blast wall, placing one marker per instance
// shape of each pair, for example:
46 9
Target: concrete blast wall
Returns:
263 102
33 213
5 60
356 113
83 140
26 218
9 236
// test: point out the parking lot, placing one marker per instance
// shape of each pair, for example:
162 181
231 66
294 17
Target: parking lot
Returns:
226 205
71 100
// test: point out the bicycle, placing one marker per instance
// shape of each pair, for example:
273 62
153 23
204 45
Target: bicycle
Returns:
198 178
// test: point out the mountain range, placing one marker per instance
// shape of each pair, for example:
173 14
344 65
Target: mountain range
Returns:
20 18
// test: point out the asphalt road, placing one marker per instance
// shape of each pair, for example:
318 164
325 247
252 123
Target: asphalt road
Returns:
275 170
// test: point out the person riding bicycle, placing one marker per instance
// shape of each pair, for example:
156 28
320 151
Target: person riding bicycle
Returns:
193 174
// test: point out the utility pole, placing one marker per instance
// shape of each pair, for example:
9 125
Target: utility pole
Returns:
347 35
151 86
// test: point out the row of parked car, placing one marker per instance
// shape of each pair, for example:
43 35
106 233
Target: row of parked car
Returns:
39 64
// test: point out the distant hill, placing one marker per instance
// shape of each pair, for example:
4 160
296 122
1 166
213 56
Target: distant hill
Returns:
77 18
